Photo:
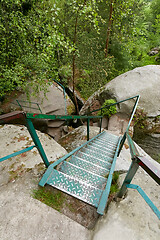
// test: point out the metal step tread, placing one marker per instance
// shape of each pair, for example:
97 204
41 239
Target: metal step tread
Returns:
96 154
108 134
99 141
86 155
83 175
93 160
89 166
74 187
105 149
108 137
108 140
99 151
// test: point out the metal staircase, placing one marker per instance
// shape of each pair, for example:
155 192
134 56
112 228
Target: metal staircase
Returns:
85 174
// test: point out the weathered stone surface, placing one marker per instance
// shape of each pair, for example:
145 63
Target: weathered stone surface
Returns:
15 138
144 81
23 217
118 123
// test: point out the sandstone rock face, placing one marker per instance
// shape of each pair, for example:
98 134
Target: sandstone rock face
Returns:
143 81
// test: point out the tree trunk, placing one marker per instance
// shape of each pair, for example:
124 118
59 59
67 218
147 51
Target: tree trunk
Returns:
73 67
74 56
109 28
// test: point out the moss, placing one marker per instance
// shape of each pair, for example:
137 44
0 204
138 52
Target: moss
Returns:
114 187
50 198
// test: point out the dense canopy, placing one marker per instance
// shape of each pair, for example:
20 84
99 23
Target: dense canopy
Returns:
81 43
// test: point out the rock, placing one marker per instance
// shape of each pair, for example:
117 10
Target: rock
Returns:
15 138
143 81
77 137
154 51
118 123
104 122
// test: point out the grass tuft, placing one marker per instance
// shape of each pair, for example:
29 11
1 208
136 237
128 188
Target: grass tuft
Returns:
54 200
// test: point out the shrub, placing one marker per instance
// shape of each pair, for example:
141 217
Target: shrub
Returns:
108 112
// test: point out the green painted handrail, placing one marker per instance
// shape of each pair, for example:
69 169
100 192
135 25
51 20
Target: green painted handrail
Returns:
133 150
59 117
21 106
127 99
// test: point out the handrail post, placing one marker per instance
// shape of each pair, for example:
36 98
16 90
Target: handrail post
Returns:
100 123
19 104
131 172
39 108
88 129
36 141
122 143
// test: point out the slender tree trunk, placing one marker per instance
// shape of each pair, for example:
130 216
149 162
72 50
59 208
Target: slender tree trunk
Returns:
109 28
73 65
74 56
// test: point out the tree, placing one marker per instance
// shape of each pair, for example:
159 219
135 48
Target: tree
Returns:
30 44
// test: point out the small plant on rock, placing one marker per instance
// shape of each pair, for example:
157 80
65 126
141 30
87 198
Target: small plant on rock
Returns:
108 111
140 119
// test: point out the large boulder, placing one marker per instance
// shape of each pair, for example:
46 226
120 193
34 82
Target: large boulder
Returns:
143 81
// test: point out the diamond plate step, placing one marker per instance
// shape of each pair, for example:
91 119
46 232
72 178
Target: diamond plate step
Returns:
93 168
96 154
105 143
109 137
106 149
98 144
96 149
99 162
108 140
74 187
83 175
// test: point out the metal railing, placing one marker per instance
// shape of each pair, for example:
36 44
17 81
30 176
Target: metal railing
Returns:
28 104
137 97
25 104
137 161
28 121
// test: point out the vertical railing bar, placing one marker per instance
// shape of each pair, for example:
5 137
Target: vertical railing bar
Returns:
88 129
100 123
36 141
19 104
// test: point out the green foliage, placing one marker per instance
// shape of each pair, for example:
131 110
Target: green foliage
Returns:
38 41
108 111
30 44
54 200
114 186
140 118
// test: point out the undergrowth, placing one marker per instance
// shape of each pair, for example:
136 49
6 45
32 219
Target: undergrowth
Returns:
114 186
54 200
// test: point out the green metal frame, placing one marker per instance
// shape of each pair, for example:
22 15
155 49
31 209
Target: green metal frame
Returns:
105 194
16 153
62 117
53 165
146 198
21 106
137 161
36 141
137 97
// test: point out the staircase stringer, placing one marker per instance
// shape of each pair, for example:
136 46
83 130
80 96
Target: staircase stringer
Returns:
105 194
46 175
